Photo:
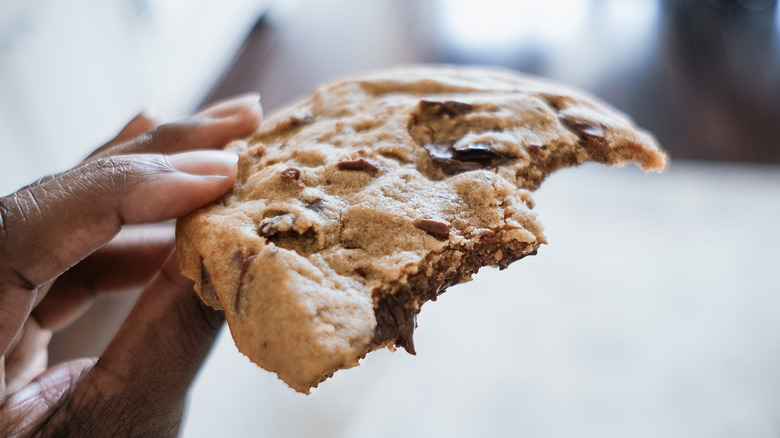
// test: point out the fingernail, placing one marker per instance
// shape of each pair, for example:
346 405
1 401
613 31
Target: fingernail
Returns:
232 107
205 162
150 114
144 117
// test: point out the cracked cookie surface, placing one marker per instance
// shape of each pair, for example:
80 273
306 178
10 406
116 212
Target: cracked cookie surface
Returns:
358 204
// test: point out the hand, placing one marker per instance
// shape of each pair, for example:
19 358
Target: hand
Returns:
60 245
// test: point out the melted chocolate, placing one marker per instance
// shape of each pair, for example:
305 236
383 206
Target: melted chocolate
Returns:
439 127
206 287
449 108
357 165
433 227
293 174
245 263
270 227
297 121
396 314
453 159
395 321
592 137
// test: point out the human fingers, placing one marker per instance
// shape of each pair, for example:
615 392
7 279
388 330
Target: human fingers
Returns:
211 128
25 412
141 380
48 227
140 124
27 356
124 264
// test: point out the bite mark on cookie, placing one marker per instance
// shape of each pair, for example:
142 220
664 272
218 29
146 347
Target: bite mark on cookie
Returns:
396 313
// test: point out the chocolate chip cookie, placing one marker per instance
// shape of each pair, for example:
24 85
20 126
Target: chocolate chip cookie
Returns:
356 205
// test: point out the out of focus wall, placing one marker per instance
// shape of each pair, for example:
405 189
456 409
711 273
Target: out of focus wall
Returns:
703 75
73 71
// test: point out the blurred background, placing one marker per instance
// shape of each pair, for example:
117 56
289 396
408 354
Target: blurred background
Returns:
654 311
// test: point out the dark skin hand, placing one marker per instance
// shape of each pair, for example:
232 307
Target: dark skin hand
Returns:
65 239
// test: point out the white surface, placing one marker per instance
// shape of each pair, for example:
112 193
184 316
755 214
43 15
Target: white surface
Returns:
653 312
73 72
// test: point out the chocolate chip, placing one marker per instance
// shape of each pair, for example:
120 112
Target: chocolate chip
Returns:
267 229
206 288
291 173
395 321
453 159
479 154
592 137
295 121
440 127
245 263
271 226
257 151
300 120
205 280
281 231
536 152
433 227
450 107
558 102
486 235
585 129
357 165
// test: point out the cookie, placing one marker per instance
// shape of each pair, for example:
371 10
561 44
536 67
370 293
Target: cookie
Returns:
358 204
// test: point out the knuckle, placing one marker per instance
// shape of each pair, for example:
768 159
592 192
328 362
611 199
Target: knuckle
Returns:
170 137
17 208
118 173
16 212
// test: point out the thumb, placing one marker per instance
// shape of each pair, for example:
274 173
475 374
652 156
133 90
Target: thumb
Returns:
139 384
50 226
